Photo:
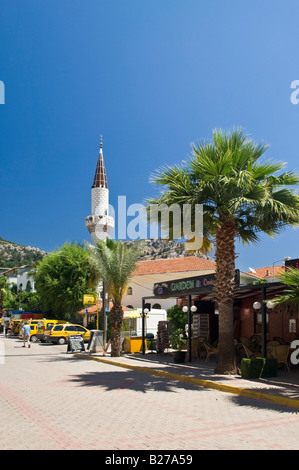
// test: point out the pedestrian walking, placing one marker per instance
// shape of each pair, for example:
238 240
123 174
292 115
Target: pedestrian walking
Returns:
26 334
7 328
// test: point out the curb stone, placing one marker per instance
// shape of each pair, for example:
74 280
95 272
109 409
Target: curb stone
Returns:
279 400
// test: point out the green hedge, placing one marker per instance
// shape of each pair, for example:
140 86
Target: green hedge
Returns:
258 367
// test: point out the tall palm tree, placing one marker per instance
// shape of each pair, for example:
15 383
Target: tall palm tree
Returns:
116 264
241 197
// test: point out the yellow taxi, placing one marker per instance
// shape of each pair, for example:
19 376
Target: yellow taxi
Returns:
59 334
45 324
15 326
33 330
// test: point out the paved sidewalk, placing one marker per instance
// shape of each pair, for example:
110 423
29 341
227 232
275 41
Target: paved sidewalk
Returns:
283 389
54 400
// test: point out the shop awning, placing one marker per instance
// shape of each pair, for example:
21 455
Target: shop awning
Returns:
131 314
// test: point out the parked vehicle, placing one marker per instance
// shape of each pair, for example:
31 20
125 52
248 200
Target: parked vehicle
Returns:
33 330
58 334
15 326
45 324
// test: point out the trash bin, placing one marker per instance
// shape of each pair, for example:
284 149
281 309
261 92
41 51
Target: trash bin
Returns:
133 344
96 342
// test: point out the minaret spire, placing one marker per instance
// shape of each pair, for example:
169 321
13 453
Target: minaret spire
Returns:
99 223
100 178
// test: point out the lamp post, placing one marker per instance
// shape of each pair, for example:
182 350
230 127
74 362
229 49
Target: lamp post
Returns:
286 258
143 313
263 306
190 309
104 306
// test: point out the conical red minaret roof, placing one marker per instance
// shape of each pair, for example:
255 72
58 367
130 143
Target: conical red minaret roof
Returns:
100 178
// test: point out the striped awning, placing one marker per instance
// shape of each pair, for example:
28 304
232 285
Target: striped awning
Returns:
131 314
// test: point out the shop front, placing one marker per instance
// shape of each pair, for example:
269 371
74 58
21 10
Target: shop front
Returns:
253 313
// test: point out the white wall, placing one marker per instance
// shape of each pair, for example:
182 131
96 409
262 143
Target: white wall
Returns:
142 286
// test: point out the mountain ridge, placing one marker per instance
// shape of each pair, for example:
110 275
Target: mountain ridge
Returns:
15 255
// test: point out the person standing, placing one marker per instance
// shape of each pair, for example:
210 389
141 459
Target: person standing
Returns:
26 334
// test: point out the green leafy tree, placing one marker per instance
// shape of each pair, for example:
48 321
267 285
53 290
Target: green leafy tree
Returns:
241 197
116 263
62 278
5 292
30 301
177 318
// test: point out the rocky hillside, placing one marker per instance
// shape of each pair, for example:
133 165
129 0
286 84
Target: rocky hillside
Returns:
12 255
161 249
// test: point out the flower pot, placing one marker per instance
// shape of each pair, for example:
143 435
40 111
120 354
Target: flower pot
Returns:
179 356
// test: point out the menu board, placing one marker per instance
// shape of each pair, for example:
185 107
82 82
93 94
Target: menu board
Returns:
75 343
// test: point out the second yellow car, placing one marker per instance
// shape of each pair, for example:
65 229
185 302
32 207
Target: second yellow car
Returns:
59 334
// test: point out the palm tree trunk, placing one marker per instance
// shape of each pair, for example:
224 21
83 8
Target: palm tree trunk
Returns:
116 319
224 288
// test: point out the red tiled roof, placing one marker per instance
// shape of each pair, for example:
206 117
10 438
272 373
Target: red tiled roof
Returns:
267 272
93 308
173 265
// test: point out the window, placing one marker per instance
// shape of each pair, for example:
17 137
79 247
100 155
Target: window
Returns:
158 306
70 328
57 328
80 328
129 291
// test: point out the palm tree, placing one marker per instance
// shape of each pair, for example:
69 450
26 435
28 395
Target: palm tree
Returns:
116 263
291 297
241 197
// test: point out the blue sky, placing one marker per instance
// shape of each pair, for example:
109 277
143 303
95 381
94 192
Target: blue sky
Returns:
151 77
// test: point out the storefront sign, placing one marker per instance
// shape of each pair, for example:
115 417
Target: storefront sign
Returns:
191 285
89 300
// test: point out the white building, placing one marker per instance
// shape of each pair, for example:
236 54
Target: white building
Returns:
148 273
21 276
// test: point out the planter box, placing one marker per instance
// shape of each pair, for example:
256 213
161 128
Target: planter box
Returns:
179 356
258 367
151 345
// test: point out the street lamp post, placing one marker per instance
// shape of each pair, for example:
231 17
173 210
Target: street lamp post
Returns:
263 307
104 306
190 309
143 313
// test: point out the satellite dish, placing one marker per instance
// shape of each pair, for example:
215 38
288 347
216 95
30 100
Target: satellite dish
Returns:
252 270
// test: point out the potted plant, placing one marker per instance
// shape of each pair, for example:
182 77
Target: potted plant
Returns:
179 343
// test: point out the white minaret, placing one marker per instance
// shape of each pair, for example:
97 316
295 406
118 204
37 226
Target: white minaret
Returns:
99 223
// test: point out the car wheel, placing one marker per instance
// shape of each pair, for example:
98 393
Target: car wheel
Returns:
33 339
61 341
